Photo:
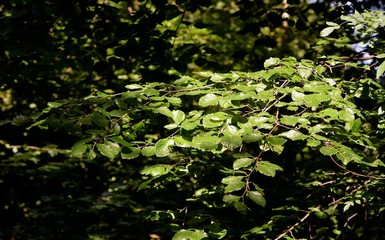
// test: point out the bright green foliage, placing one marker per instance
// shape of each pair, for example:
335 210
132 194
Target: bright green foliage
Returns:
241 122
292 149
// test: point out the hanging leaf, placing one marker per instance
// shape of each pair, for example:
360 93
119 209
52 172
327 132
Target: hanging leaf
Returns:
380 70
129 152
276 140
257 197
241 207
328 150
108 149
268 168
99 119
165 111
242 162
229 198
80 147
327 31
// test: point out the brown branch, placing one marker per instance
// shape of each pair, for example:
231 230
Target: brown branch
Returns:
355 173
294 226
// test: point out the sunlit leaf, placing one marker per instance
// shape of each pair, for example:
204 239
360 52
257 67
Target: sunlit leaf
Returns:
328 150
327 31
380 70
190 235
156 170
231 141
276 140
229 198
178 116
268 168
108 149
162 147
208 100
129 152
242 162
257 197
148 151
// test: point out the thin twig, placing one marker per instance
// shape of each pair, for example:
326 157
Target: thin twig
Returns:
355 173
294 226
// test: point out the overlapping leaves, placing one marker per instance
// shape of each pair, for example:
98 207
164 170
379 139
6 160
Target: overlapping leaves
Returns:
221 113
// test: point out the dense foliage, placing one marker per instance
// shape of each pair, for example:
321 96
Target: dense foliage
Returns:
192 120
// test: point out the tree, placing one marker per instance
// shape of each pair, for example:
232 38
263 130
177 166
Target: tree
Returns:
291 149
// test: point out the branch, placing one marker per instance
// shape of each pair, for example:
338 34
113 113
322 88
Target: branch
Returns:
355 173
294 226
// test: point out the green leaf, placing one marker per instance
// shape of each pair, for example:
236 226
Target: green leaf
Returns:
187 125
276 140
190 235
150 92
171 126
271 62
216 232
380 70
206 141
100 120
328 150
242 162
297 96
213 120
356 125
129 152
234 186
178 116
148 151
232 179
231 141
327 31
156 170
311 100
175 101
290 120
346 114
108 149
133 86
80 147
253 137
257 197
162 147
181 142
268 168
229 198
208 100
313 142
293 135
165 111
91 155
241 207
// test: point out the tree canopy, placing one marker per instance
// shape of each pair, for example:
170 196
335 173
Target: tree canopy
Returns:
192 119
